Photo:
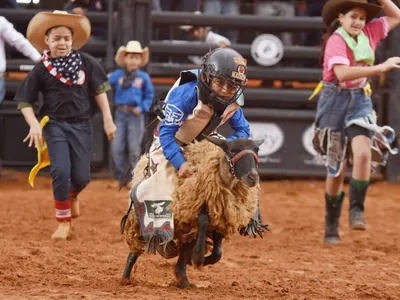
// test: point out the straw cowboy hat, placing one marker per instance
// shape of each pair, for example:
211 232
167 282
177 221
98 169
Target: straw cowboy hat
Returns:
43 21
132 47
333 8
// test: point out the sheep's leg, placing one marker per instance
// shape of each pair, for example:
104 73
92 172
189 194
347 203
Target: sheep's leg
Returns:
200 246
255 225
126 276
216 254
180 267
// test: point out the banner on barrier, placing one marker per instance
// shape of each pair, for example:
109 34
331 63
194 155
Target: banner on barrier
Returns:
287 145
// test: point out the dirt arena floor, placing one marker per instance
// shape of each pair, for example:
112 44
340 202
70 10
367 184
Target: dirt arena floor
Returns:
289 263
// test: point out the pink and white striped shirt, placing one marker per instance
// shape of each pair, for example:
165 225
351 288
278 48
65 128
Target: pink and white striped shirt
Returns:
338 53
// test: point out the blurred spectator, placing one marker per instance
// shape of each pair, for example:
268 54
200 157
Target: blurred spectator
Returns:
172 32
18 41
134 93
82 7
180 5
283 8
313 9
223 7
8 4
156 6
204 34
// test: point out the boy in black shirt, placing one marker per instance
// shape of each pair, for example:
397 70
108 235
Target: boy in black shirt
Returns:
72 83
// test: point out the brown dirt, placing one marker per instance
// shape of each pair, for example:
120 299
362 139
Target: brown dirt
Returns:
289 263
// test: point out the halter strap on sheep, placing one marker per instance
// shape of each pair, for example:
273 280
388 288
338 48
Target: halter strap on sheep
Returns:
237 157
243 153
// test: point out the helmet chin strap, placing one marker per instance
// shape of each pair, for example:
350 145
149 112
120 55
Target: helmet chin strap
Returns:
218 99
209 97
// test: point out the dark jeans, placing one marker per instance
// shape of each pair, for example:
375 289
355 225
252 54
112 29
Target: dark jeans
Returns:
70 146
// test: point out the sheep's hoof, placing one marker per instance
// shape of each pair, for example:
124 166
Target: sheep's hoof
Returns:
125 281
197 258
254 228
183 284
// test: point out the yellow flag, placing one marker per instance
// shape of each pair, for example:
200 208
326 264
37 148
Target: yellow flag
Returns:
317 89
367 90
43 156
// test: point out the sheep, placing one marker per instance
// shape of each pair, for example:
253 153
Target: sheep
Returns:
220 198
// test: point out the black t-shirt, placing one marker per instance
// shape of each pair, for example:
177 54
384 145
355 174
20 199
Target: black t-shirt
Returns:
60 101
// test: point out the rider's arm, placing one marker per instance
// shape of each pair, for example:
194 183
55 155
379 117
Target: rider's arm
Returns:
240 126
181 102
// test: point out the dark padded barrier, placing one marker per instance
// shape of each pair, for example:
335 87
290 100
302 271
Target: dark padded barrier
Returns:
282 116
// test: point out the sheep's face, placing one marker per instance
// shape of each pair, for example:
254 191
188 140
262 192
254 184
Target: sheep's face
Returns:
242 155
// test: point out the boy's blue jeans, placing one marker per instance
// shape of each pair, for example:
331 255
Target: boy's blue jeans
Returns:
129 135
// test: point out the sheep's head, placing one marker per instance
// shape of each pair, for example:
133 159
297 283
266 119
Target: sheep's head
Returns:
242 156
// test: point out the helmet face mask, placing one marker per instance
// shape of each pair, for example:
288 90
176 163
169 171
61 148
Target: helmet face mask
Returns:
222 77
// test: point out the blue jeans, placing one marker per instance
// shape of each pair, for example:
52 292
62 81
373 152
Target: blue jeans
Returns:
129 135
338 106
223 7
2 89
70 147
337 109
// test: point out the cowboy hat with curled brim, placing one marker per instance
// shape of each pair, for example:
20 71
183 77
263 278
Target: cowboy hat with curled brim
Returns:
333 8
132 47
43 21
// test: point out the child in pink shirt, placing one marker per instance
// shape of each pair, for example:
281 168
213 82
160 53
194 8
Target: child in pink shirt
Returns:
346 128
337 52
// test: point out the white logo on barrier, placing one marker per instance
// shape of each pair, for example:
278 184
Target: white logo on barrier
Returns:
307 140
267 50
272 135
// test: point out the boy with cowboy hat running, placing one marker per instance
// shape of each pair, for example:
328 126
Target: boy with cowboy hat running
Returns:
346 129
134 93
72 84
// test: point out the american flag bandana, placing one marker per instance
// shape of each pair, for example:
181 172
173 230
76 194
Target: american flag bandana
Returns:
66 69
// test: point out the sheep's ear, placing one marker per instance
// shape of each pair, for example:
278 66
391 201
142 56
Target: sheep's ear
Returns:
219 142
258 142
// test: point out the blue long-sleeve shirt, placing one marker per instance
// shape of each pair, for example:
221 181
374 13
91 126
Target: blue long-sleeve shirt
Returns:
140 94
181 103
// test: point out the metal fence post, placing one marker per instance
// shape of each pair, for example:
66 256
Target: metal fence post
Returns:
136 23
109 61
393 109
134 17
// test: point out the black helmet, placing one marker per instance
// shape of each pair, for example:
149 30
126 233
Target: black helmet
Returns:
224 67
